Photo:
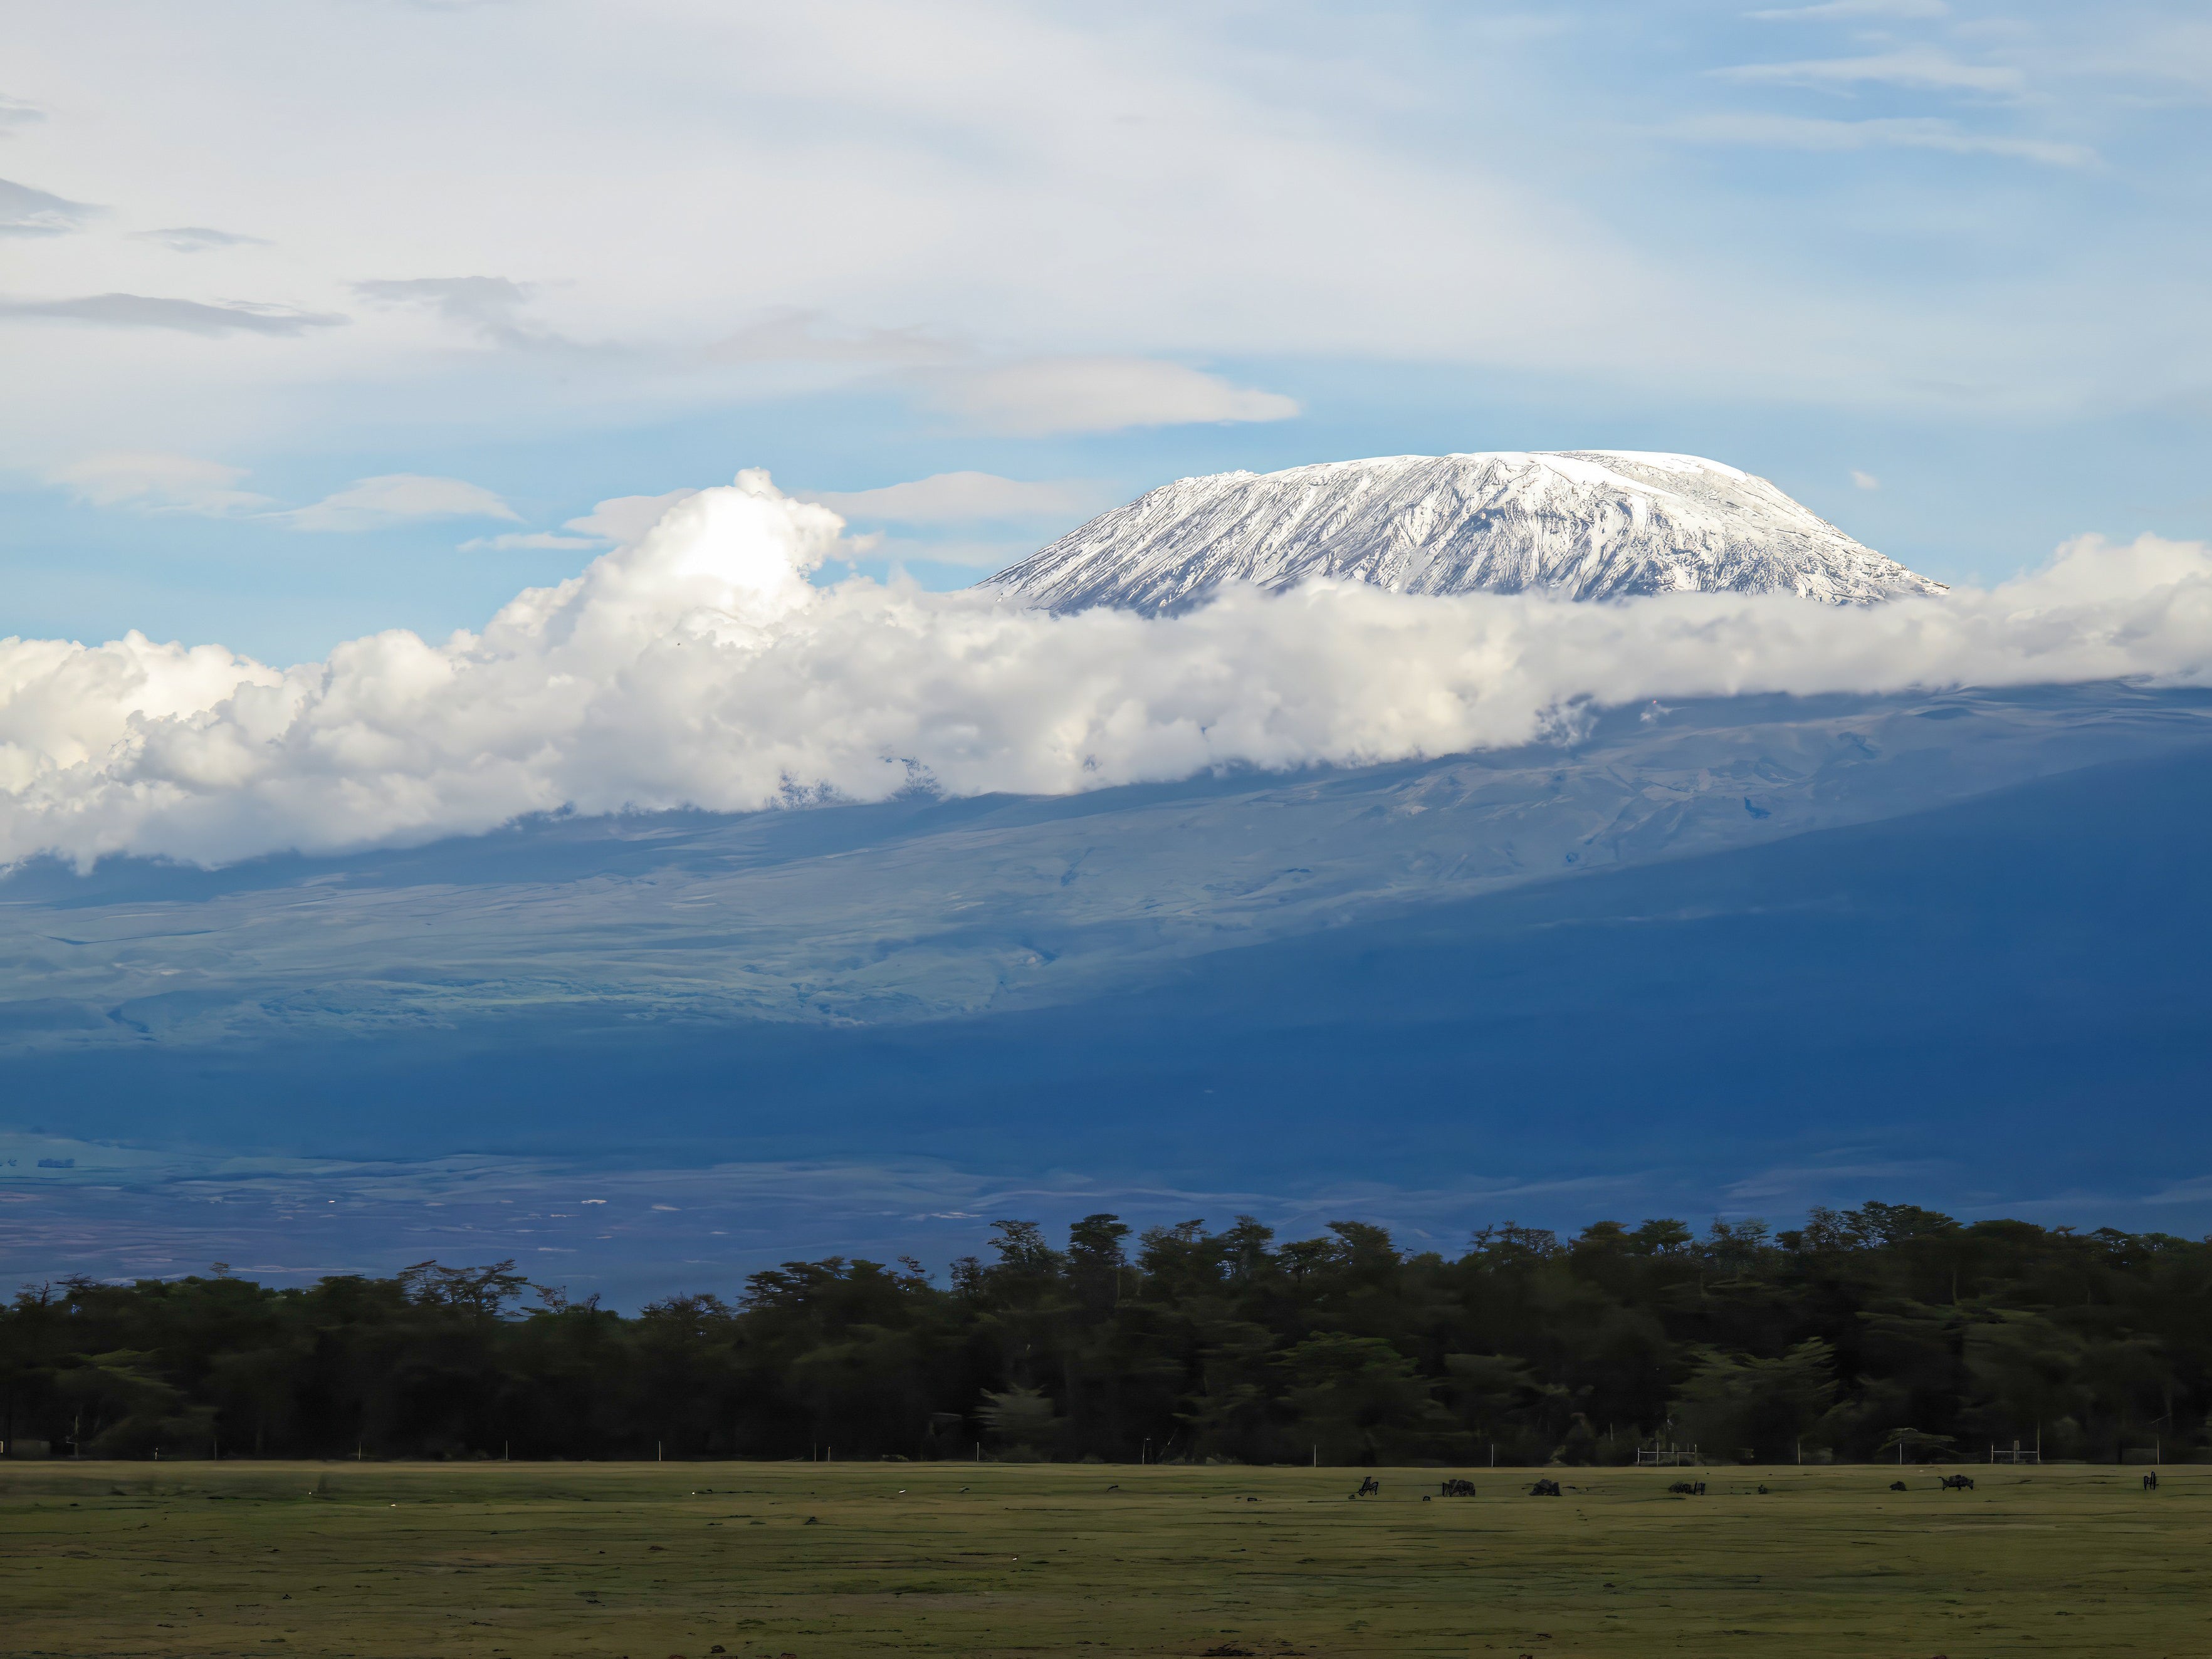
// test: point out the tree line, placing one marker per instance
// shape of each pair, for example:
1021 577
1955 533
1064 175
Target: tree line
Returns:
1879 1332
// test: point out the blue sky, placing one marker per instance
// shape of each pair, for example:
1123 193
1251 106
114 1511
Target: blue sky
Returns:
327 316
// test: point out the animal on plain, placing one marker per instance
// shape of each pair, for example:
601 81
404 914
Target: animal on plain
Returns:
2150 1481
1458 1489
1545 1489
1370 1487
1957 1483
1688 1488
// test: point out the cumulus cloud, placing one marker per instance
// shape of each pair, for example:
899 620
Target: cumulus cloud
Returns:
961 498
396 498
156 483
1864 480
1048 395
188 316
697 665
27 212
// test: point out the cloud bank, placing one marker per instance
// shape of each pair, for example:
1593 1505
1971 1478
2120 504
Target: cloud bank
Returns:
696 666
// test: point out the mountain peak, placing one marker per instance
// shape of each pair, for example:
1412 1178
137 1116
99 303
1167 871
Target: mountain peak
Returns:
1581 523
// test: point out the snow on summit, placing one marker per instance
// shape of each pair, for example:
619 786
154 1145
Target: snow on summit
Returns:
1577 523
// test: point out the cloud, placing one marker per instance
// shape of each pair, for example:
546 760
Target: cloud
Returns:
698 666
1844 11
531 541
961 498
396 498
27 212
796 336
963 552
627 518
1048 396
196 239
1864 480
2166 52
156 483
487 305
15 114
1920 69
1905 132
188 316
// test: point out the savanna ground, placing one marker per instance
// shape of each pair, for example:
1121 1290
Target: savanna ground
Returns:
820 1560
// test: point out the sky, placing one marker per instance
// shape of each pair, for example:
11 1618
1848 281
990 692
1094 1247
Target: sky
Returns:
323 317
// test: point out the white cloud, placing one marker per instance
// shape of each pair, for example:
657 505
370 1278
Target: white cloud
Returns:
488 306
2175 50
27 212
533 540
396 498
966 553
961 498
1050 395
787 335
625 519
700 667
975 181
1896 132
196 239
185 316
1847 12
1864 480
15 113
156 483
1920 68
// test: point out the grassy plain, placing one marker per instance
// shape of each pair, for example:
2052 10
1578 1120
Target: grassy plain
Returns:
819 1561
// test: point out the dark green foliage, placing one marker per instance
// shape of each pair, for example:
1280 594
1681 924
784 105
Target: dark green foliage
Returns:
1882 1331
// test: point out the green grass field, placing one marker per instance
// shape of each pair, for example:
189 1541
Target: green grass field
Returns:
818 1560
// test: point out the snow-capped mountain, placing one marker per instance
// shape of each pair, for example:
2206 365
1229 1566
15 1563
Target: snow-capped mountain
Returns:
1577 524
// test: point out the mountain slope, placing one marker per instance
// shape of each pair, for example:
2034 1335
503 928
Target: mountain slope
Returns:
922 909
1993 1006
1581 524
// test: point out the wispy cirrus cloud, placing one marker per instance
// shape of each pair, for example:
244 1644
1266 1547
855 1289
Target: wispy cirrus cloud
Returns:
184 316
1047 395
196 239
1852 11
1021 397
1903 132
1919 69
156 482
489 306
961 498
795 335
624 520
24 211
397 498
530 541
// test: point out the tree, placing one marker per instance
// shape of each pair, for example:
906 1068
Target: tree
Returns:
1742 1406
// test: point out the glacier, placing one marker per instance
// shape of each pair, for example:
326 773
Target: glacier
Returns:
1571 524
